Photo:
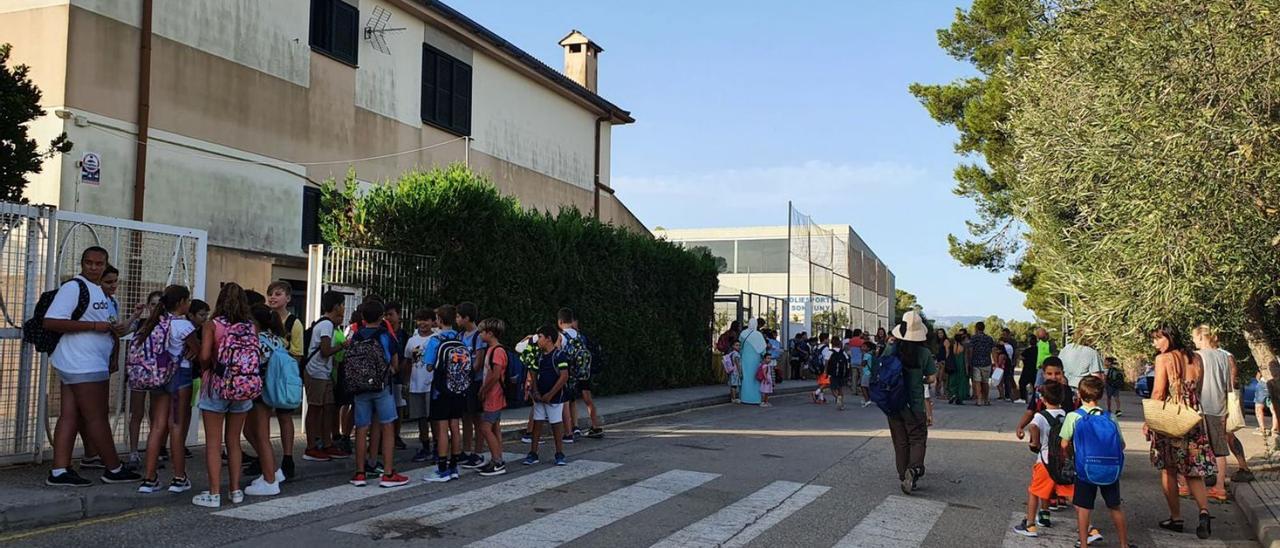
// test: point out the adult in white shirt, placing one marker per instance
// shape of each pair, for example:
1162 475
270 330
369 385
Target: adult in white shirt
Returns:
1080 360
82 313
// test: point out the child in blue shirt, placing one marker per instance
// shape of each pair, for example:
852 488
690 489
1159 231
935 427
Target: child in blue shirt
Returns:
546 383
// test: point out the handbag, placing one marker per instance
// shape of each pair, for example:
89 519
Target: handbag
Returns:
1171 417
997 376
1235 413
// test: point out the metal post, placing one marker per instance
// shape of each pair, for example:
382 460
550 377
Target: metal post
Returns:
49 225
786 308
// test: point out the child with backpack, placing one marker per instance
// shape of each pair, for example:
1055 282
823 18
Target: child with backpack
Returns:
230 382
493 398
321 341
449 361
1115 383
765 374
258 425
279 295
547 382
732 363
868 365
1052 473
586 361
372 358
1094 435
153 367
468 316
838 372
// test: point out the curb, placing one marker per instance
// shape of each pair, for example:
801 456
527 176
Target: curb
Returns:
83 503
1264 523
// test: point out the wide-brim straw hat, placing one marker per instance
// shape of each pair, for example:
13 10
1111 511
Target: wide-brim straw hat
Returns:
911 328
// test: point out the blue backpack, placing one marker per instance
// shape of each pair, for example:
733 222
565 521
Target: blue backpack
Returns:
1099 448
283 386
513 380
889 387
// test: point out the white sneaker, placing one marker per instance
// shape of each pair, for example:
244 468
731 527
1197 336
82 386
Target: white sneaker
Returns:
260 488
1019 400
237 496
207 500
279 476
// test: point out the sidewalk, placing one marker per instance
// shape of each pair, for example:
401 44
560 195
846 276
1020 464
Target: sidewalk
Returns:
26 502
1260 499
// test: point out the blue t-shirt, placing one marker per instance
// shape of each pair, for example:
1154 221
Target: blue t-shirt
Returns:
433 347
549 368
476 345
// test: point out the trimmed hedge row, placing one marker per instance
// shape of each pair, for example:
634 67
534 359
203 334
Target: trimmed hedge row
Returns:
647 302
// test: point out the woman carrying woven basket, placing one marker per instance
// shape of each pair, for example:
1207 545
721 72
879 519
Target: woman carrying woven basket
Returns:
1174 394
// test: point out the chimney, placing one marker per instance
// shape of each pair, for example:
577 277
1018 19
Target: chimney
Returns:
580 58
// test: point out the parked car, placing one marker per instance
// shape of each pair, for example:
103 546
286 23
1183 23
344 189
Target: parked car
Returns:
1143 385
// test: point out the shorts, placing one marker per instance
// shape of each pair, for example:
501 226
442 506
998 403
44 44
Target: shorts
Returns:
928 393
1262 396
1216 427
1113 391
1042 485
181 379
865 382
735 380
1087 492
491 417
549 412
319 391
981 374
81 378
211 403
367 405
584 386
446 407
419 406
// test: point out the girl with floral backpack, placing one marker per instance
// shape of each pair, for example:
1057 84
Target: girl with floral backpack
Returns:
230 358
152 367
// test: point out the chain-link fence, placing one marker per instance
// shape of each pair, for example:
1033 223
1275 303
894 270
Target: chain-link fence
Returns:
40 248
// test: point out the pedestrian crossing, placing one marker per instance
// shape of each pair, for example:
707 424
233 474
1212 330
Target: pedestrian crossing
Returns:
893 522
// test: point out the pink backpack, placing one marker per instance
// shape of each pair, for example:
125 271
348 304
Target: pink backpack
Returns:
148 364
236 374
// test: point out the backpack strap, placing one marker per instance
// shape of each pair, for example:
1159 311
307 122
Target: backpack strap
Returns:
288 327
82 303
312 353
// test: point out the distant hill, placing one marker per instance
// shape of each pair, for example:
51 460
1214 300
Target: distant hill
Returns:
948 321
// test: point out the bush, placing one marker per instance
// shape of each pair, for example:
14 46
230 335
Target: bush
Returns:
647 302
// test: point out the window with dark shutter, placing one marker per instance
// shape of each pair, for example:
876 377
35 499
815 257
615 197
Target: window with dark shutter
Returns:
446 91
311 217
335 29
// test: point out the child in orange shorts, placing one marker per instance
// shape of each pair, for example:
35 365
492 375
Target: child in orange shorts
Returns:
1043 488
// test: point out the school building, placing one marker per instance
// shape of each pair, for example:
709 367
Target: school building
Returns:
226 115
830 278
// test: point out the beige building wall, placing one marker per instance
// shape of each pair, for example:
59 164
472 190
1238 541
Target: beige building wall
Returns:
244 115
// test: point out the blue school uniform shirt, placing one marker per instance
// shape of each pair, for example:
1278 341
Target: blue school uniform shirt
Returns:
549 368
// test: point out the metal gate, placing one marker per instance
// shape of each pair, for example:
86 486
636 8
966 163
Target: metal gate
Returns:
358 272
39 248
744 305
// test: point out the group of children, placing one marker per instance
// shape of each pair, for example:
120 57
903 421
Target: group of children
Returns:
453 377
765 374
1079 453
836 362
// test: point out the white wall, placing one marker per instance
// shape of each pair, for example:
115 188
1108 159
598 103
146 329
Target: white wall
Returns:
191 183
517 120
268 35
391 85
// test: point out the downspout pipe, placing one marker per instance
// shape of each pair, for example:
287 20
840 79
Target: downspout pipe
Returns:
144 114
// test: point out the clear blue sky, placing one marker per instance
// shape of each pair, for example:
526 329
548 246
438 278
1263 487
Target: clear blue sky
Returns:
748 105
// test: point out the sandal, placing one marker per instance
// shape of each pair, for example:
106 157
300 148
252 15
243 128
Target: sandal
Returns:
1175 525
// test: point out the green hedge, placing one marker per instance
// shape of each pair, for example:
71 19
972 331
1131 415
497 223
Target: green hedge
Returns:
647 302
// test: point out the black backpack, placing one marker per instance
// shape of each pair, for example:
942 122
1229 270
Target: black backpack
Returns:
597 354
33 330
1061 465
366 368
815 360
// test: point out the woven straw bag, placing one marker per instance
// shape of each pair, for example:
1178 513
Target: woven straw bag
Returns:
1171 417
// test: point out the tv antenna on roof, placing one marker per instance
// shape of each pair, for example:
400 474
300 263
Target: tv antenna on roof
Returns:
375 31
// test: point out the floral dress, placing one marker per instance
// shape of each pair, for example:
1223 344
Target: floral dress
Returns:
1190 455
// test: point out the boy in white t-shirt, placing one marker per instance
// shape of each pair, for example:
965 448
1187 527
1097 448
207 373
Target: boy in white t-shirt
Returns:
420 378
321 423
1042 486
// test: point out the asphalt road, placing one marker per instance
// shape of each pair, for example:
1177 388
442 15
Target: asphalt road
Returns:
797 474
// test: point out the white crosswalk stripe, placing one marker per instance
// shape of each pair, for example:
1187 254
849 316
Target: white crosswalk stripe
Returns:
447 509
582 519
283 507
898 522
739 523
